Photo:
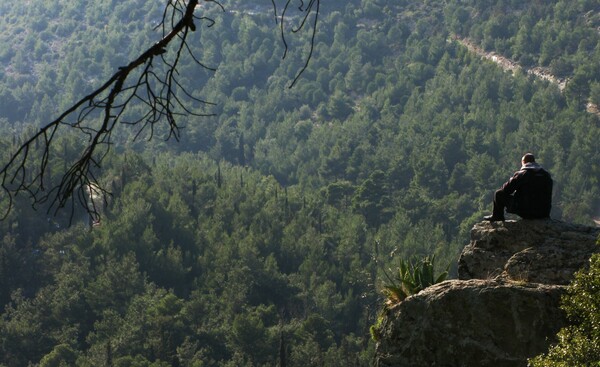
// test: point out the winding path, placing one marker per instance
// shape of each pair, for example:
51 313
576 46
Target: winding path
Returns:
511 65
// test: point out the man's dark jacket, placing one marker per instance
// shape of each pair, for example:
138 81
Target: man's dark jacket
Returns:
532 188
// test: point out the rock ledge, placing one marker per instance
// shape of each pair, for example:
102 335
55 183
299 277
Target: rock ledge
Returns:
538 251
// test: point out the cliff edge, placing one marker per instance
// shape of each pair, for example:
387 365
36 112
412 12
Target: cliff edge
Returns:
503 309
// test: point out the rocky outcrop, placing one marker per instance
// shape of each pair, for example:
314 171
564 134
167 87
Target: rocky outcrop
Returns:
470 323
504 308
539 251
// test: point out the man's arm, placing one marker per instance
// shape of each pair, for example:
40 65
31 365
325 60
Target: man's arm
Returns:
511 185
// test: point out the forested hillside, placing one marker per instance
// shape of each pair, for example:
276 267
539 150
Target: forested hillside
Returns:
261 237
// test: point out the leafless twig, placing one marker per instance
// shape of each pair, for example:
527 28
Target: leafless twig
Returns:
138 82
151 80
306 9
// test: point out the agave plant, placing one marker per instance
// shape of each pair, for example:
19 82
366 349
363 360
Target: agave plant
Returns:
411 278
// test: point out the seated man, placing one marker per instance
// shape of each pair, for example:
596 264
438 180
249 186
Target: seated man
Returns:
528 193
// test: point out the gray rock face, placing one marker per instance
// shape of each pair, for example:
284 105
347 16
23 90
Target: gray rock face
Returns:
470 323
539 251
504 308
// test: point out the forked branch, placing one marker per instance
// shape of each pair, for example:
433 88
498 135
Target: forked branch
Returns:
307 10
23 173
96 115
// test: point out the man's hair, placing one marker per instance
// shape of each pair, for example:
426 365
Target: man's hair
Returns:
528 158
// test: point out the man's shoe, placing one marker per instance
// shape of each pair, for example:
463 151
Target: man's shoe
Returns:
491 218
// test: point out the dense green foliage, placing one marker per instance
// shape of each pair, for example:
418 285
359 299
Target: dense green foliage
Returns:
579 344
260 237
561 36
196 262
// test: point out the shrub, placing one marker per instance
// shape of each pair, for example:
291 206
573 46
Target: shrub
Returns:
578 343
411 278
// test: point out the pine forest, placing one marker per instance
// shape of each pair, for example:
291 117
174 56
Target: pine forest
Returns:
262 234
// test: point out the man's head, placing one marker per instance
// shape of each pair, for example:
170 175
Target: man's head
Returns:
528 158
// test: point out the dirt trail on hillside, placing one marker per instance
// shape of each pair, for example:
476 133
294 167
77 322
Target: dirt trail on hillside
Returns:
512 66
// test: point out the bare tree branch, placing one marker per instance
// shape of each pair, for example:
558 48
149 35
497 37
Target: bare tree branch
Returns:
306 11
95 116
154 90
